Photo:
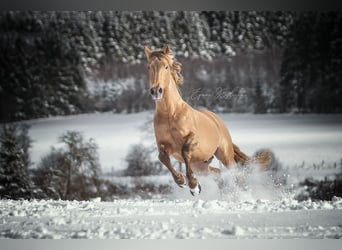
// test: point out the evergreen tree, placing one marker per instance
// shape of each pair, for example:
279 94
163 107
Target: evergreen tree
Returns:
40 71
310 73
15 162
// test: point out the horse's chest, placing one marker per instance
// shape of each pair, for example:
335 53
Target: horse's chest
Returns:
170 133
177 135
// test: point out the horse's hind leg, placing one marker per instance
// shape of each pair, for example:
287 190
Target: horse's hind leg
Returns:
210 169
226 157
179 178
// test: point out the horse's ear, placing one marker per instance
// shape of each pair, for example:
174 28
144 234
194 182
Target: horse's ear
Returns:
167 50
147 52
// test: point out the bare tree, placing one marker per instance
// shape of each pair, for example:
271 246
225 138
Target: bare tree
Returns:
71 172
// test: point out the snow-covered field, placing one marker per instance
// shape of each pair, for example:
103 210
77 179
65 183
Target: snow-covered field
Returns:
258 210
293 138
171 219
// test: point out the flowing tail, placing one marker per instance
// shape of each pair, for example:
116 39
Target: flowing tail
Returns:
262 157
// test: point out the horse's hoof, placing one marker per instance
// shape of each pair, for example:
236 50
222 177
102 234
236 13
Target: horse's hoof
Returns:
195 191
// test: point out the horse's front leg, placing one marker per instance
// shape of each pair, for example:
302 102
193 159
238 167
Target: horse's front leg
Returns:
179 178
187 149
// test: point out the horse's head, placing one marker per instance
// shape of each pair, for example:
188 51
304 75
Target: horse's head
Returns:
163 71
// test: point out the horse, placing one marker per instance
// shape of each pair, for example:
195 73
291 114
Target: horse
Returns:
191 136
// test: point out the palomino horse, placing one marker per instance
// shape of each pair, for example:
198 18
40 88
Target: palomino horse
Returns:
191 136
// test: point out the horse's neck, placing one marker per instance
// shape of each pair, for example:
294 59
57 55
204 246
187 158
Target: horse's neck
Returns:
171 103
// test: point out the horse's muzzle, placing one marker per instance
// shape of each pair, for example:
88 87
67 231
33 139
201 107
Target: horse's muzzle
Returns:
156 93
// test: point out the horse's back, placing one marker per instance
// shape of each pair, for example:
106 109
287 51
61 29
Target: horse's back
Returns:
217 120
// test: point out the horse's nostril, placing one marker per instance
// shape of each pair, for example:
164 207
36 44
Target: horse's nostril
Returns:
152 91
160 90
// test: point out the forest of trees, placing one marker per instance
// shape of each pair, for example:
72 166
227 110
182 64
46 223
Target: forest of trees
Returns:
61 63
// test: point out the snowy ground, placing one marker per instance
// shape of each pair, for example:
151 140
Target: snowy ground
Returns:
158 219
255 210
258 209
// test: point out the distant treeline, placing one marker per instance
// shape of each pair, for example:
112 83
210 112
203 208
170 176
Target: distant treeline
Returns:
60 63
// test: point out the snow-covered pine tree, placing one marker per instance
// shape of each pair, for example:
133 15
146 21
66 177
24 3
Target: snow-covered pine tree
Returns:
15 179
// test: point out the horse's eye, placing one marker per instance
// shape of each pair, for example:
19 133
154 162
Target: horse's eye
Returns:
167 66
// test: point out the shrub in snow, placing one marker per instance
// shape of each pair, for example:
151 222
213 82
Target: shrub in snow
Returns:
148 190
140 163
325 189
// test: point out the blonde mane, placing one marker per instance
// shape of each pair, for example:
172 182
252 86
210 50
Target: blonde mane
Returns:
175 66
